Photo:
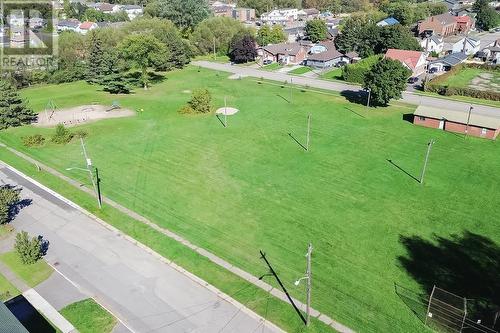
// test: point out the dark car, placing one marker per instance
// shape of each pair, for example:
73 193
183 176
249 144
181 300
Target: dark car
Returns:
413 80
267 62
433 70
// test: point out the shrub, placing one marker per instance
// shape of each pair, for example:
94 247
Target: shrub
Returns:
9 195
29 250
356 72
81 134
200 102
62 135
33 140
186 109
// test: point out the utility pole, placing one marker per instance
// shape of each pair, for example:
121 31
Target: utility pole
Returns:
308 131
369 95
429 147
225 111
468 120
291 90
309 284
215 57
88 162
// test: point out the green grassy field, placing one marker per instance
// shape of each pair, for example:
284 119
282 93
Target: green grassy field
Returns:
272 67
251 186
31 274
465 77
300 70
7 290
89 317
334 74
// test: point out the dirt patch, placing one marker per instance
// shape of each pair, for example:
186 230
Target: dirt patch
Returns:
80 115
187 91
227 111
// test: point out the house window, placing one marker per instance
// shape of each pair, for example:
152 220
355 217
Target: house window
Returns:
484 131
421 118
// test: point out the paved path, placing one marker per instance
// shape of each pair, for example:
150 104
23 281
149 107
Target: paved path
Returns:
408 97
139 287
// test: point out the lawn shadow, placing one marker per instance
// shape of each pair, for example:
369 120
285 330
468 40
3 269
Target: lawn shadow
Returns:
297 141
408 117
465 264
286 100
404 171
358 97
220 120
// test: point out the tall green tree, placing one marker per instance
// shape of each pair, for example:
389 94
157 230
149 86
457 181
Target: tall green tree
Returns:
29 250
218 32
396 37
486 17
13 109
243 49
185 14
144 51
8 197
386 80
270 35
316 30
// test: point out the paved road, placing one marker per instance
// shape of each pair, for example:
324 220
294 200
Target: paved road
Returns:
408 97
144 292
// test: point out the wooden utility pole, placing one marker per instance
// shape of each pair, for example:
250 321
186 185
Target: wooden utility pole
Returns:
309 284
308 131
215 57
468 121
429 147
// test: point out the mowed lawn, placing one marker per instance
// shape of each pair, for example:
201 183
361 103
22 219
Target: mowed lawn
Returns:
465 78
251 187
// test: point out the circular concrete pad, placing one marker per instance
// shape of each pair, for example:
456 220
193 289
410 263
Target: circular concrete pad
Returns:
227 111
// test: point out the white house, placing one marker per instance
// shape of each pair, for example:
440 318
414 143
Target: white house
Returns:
415 61
132 11
280 16
466 45
85 27
67 25
433 43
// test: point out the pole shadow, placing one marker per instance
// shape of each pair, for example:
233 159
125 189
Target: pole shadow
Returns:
286 100
297 141
404 171
358 114
220 120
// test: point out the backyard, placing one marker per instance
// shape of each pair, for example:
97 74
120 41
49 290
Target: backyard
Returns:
252 186
475 78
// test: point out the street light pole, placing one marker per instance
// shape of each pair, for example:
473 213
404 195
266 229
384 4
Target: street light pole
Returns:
429 146
308 277
468 120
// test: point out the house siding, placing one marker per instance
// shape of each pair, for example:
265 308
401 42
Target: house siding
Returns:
455 127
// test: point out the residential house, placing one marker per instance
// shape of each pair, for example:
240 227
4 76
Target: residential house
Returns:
223 10
446 63
415 61
388 21
445 25
67 25
433 43
456 44
492 52
324 55
483 125
308 14
36 22
132 11
244 14
280 16
8 322
85 27
295 31
107 8
284 53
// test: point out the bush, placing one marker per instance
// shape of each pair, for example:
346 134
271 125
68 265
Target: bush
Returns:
200 102
29 250
355 73
62 135
81 134
186 109
33 140
9 196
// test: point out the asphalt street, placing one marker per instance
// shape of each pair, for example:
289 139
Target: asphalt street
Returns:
408 97
145 293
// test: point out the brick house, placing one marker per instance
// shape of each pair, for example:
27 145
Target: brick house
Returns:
485 125
284 53
415 61
445 25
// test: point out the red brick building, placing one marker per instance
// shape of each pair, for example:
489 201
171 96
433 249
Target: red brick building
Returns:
446 25
485 125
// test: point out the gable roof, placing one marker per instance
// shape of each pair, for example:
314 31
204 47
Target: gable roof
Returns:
389 21
68 23
443 19
330 53
283 48
452 59
86 25
407 57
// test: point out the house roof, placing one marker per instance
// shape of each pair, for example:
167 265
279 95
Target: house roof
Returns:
311 11
130 7
409 58
487 119
105 7
69 23
463 19
86 25
452 59
283 48
389 21
8 322
330 53
352 55
443 19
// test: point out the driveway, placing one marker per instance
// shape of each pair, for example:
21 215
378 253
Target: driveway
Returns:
408 96
145 293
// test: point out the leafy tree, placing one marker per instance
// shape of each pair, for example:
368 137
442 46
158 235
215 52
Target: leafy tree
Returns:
486 17
96 65
316 30
386 80
95 15
144 50
62 135
201 101
185 14
115 83
219 29
243 49
396 37
8 197
359 34
29 250
13 110
270 35
71 60
356 72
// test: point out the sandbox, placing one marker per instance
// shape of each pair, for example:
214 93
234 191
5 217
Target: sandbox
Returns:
80 115
227 111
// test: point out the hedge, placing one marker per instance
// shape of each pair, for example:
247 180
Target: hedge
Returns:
356 72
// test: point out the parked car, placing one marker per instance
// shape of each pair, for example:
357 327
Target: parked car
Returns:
433 70
340 64
267 62
413 80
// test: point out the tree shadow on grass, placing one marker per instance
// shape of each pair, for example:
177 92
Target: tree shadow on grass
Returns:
358 97
467 265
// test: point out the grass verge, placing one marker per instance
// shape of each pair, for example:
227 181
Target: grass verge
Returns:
7 289
89 317
31 274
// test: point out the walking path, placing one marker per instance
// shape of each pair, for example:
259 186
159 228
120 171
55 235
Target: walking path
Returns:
408 97
215 259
